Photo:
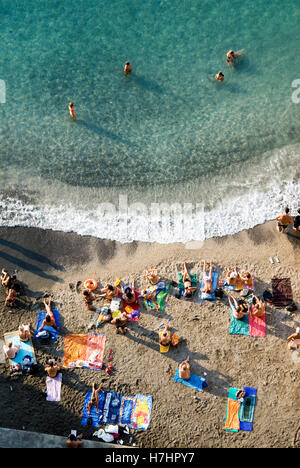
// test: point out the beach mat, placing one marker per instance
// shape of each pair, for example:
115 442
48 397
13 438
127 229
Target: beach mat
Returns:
111 408
41 317
205 296
247 409
141 414
25 348
54 387
282 292
195 381
239 327
126 409
87 349
257 326
158 303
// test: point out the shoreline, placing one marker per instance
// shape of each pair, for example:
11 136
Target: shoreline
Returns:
51 261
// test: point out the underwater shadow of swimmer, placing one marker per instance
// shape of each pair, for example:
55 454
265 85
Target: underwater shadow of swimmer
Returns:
106 133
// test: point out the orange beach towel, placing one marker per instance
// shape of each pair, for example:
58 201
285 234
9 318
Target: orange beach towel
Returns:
232 421
82 348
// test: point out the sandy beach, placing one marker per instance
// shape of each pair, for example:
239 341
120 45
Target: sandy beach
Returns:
54 262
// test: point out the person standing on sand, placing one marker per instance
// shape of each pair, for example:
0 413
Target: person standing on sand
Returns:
72 111
284 220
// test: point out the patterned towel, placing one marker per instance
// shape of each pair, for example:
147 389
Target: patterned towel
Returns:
54 387
282 292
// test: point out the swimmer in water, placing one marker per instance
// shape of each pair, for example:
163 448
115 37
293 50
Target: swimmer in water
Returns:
127 68
72 111
219 76
231 56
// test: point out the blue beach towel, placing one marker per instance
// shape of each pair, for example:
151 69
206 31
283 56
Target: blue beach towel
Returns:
41 317
246 413
205 296
93 414
127 406
111 408
26 349
239 327
195 381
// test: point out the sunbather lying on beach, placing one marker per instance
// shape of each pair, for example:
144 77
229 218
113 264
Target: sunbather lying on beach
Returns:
53 368
110 292
187 282
152 276
10 350
185 369
49 320
239 310
207 279
89 298
259 307
284 220
291 339
25 332
94 401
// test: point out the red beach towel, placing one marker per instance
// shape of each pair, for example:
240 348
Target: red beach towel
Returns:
257 326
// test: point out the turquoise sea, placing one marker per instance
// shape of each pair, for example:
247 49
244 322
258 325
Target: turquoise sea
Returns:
168 133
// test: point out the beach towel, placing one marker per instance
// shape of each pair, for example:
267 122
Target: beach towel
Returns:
206 296
41 317
95 418
232 421
84 351
195 381
53 387
111 408
239 327
282 292
257 325
194 280
26 349
141 414
126 410
247 409
158 303
132 310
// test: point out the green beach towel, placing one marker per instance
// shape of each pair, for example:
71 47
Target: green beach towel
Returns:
159 300
194 280
239 327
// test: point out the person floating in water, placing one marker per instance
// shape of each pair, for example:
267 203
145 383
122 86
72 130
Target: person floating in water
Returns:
127 68
232 56
219 76
72 110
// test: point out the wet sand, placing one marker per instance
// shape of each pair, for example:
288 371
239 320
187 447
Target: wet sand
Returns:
54 262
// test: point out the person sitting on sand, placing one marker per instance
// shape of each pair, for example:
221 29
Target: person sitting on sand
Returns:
25 332
234 278
239 311
152 276
258 308
130 295
72 111
120 322
219 76
165 337
187 283
247 279
89 298
53 368
11 297
127 68
284 220
49 320
94 401
185 369
207 279
11 350
297 221
110 292
291 339
74 441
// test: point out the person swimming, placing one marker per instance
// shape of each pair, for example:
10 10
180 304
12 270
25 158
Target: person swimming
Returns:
232 56
127 68
72 111
219 76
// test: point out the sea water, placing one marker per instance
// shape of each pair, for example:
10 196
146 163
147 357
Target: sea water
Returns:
226 153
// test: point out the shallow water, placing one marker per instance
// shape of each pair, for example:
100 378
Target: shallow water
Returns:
167 133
